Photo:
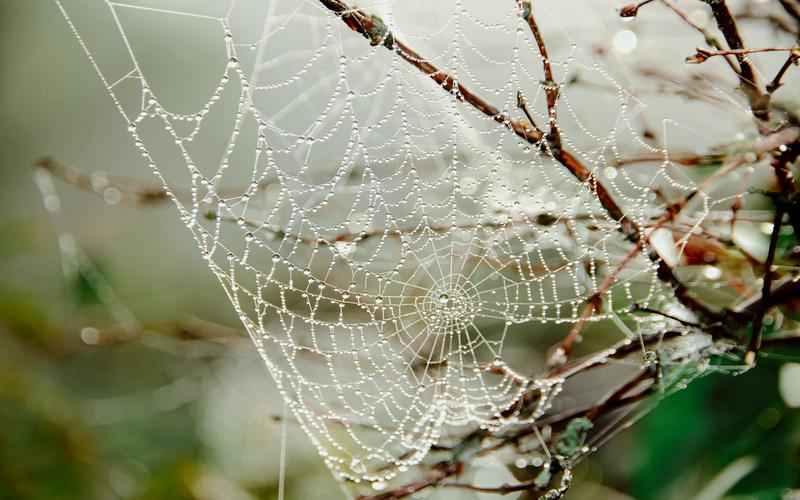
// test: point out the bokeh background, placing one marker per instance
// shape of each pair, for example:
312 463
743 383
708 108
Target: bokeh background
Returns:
167 415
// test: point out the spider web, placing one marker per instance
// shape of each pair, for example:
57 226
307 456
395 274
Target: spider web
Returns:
380 241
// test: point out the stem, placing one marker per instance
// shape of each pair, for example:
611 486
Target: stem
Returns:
592 305
758 322
710 39
550 86
777 82
360 22
632 9
748 80
702 54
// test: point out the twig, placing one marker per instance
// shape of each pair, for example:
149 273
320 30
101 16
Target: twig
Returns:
758 320
522 104
503 489
441 471
748 80
130 190
710 39
777 82
777 22
638 308
647 373
550 86
702 55
632 9
792 8
564 348
358 21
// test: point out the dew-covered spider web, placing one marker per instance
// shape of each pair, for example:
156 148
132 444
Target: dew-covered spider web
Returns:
382 241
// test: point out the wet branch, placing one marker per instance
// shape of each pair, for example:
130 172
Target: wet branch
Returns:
702 55
551 88
758 321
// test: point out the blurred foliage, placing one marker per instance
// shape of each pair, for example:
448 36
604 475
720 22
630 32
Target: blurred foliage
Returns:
694 434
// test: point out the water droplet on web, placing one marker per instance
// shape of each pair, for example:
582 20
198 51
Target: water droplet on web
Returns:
357 466
610 172
625 41
712 273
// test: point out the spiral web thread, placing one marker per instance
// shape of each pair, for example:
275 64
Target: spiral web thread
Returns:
388 240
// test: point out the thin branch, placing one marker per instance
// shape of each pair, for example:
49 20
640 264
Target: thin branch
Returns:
370 26
702 55
522 104
441 472
564 348
503 489
374 29
758 321
777 82
710 39
646 373
639 308
131 191
792 8
748 80
779 23
632 9
550 86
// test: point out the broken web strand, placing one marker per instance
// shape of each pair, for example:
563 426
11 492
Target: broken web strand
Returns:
424 327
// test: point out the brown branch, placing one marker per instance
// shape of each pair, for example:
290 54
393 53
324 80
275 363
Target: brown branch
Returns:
503 489
550 86
777 22
782 291
441 472
702 55
373 28
522 104
131 191
793 9
748 80
777 82
710 39
141 194
632 9
758 321
564 348
764 145
646 373
638 308
357 20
